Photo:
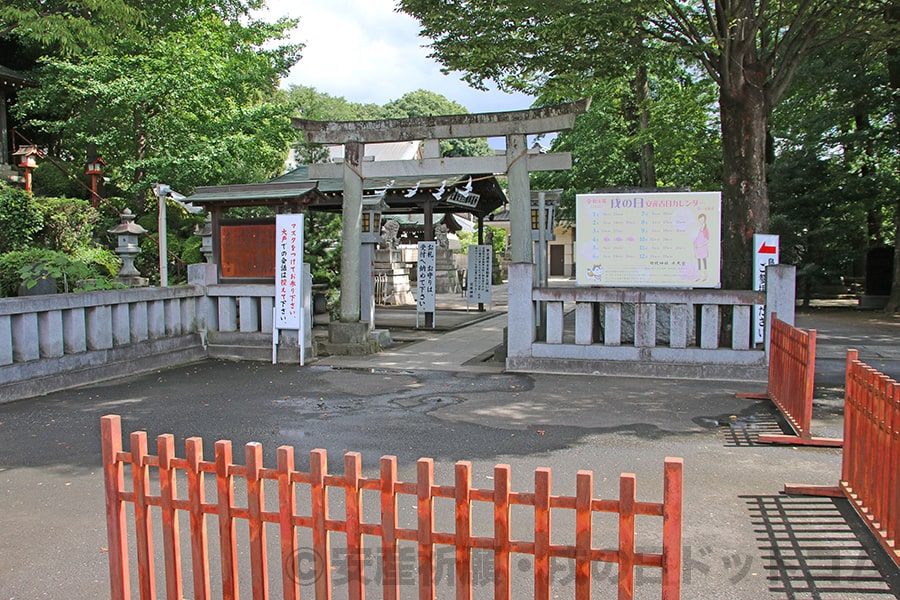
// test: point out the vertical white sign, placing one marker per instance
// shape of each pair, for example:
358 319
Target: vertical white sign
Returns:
478 277
288 271
765 253
425 290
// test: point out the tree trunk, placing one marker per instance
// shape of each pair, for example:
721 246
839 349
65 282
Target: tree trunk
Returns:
642 99
745 199
892 16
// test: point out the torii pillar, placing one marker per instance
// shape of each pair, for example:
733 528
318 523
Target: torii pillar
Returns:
350 335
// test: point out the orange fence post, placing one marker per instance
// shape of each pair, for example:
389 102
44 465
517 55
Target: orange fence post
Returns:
626 535
196 499
463 473
673 497
425 511
168 492
542 486
318 466
389 568
143 524
353 510
502 485
255 505
227 541
287 500
584 532
114 482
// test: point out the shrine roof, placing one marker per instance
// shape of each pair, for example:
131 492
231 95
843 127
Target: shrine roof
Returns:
409 194
13 79
298 194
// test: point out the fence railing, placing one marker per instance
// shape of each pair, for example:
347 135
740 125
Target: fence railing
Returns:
148 472
870 474
55 341
641 331
791 385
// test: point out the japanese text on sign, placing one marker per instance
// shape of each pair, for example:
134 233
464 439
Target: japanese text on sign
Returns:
644 240
288 270
425 291
478 277
765 253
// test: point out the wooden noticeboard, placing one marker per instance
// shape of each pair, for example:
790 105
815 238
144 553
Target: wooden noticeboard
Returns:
248 250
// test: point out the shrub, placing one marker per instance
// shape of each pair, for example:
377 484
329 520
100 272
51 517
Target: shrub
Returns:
12 263
68 223
20 219
90 268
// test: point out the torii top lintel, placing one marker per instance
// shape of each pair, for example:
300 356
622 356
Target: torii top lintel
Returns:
497 124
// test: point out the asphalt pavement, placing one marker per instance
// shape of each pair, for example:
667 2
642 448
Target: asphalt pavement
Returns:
441 394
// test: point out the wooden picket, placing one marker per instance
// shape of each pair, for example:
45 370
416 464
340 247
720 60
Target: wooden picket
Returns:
169 503
870 472
792 368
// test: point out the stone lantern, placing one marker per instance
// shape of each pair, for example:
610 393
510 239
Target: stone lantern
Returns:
128 248
371 219
206 240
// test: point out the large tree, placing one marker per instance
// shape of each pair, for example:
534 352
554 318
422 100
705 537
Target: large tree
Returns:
191 98
836 177
749 48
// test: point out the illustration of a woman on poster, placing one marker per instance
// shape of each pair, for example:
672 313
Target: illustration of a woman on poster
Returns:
701 246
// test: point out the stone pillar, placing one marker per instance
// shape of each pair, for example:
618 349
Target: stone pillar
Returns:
367 284
351 231
520 310
781 296
350 335
519 200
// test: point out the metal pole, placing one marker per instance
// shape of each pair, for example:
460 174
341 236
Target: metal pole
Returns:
162 191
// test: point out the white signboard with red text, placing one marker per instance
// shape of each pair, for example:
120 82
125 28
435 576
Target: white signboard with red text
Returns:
288 271
765 253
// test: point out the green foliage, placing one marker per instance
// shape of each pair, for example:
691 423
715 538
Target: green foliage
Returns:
69 224
12 262
62 179
322 248
815 222
467 239
182 244
423 103
195 102
605 144
88 269
748 49
20 219
190 250
836 173
70 26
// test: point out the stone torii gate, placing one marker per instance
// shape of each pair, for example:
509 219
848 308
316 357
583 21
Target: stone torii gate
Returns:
515 126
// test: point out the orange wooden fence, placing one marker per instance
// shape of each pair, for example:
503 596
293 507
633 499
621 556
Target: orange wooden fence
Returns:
870 475
792 369
169 503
